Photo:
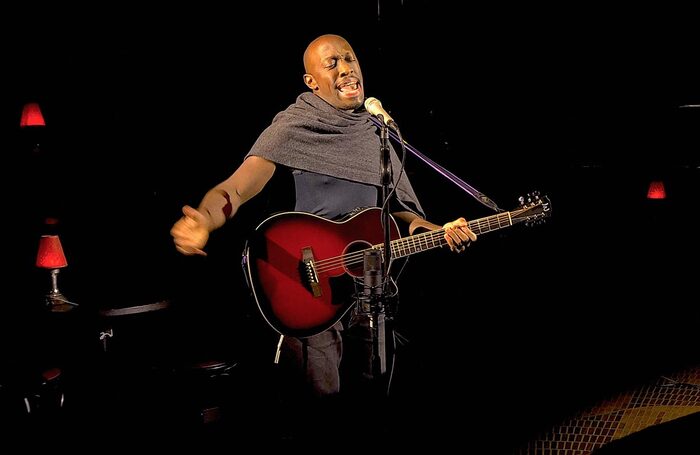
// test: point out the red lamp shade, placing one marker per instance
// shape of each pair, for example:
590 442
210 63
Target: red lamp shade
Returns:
656 190
50 255
31 116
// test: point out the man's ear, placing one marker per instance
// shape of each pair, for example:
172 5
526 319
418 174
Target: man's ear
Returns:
310 82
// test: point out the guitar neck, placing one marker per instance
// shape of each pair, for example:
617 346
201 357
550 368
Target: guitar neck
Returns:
435 239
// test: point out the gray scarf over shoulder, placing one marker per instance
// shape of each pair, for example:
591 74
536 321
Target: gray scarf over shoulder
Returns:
314 136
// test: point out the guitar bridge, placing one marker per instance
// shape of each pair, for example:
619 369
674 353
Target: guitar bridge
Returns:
307 257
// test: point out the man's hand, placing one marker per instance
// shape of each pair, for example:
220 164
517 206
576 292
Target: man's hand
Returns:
458 235
190 233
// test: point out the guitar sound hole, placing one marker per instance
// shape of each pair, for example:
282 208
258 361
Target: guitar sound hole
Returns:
353 255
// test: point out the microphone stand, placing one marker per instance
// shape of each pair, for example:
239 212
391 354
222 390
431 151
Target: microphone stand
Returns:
386 181
376 279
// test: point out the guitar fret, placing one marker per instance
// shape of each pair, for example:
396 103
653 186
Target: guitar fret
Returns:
433 243
417 243
398 251
491 223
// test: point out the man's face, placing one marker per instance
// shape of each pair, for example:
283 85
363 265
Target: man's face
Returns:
333 73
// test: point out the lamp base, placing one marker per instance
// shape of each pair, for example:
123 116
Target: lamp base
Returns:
57 303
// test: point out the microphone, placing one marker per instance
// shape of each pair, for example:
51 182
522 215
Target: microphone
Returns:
372 262
374 107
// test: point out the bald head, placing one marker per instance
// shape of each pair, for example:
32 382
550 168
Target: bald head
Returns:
333 72
312 49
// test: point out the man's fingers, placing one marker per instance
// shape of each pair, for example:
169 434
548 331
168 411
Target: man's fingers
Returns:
189 250
471 235
192 214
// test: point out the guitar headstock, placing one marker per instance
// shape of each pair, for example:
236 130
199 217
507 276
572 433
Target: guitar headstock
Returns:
534 209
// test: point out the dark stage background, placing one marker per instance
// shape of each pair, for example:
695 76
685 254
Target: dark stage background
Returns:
145 112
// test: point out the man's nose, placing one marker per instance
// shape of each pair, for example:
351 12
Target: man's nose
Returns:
344 68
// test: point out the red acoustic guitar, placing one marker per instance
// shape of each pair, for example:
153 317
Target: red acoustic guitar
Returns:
301 267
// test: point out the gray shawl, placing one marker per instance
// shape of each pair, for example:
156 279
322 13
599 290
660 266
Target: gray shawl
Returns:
314 136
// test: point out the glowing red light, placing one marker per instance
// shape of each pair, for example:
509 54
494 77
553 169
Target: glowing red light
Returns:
31 116
656 190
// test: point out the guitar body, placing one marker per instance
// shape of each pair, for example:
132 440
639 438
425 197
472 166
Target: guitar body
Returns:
294 297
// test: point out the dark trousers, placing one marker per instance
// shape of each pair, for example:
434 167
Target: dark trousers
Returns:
329 381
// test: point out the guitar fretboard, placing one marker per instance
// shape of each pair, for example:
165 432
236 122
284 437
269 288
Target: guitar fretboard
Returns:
436 239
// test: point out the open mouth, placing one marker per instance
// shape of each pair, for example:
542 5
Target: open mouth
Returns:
349 87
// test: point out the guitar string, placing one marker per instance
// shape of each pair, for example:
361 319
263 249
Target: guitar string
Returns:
336 262
479 226
357 257
341 263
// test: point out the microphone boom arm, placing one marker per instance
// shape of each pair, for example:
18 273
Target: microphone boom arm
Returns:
476 194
